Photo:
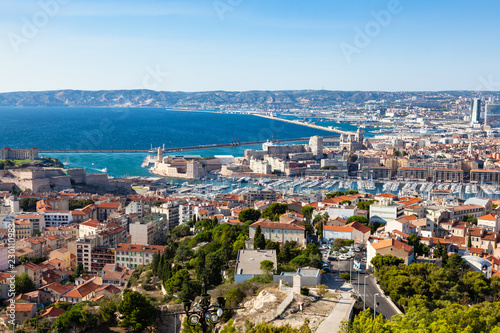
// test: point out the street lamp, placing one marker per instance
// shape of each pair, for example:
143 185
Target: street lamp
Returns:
375 305
364 295
203 312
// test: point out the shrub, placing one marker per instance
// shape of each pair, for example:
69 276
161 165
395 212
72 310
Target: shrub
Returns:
304 291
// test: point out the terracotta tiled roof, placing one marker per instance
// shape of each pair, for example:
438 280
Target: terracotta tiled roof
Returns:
265 223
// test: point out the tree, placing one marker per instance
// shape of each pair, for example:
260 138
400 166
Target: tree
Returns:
24 283
108 311
259 241
365 205
155 262
249 214
395 153
346 202
24 259
361 219
137 311
386 260
307 211
418 247
404 153
274 211
78 204
470 219
346 276
351 192
28 204
78 271
334 194
469 240
213 269
267 266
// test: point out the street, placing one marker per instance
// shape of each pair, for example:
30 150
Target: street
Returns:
333 281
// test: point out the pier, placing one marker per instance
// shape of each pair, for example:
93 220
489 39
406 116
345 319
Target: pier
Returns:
172 150
297 122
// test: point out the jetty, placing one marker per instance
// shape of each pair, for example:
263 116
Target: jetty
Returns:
298 122
171 150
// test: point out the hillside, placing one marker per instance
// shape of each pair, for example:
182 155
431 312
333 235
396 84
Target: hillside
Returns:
300 99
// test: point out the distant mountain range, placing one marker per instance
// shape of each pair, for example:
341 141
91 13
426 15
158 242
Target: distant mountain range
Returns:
300 99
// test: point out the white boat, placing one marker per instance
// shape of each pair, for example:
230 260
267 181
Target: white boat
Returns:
104 170
66 160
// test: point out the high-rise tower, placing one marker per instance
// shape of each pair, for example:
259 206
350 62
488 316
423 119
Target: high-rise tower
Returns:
475 111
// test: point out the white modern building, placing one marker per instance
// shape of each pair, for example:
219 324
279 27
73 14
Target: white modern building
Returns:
386 210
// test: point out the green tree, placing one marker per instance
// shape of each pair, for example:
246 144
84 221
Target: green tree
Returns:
334 194
385 260
307 211
346 276
249 214
469 240
418 247
108 312
365 205
351 192
361 219
267 266
259 241
137 311
78 204
78 271
274 211
28 204
395 153
24 259
24 283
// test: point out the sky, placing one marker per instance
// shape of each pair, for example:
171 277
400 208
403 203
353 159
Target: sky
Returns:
238 45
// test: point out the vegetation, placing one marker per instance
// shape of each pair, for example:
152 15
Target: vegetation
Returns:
329 167
307 211
137 311
346 276
24 283
365 205
28 204
361 219
230 327
274 211
78 204
259 242
78 315
351 192
334 194
249 214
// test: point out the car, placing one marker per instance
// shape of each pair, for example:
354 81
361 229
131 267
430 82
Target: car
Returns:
326 269
331 258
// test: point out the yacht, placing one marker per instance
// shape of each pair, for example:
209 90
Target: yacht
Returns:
105 170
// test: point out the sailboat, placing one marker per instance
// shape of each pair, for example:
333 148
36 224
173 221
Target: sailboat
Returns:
66 160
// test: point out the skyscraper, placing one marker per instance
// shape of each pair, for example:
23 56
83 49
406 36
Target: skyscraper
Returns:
492 115
475 111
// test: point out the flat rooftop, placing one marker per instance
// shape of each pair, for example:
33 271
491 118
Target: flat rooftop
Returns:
249 261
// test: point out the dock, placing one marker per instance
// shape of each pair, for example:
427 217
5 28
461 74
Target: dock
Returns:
298 122
172 150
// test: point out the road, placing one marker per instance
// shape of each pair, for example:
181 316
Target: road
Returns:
333 281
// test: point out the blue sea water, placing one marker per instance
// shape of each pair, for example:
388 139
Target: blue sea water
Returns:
137 128
134 128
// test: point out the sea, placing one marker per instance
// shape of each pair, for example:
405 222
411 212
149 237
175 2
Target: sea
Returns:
64 128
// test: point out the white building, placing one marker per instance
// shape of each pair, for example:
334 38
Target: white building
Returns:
402 225
479 265
490 222
334 232
386 210
58 218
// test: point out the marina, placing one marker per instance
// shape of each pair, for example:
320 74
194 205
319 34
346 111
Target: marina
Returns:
307 186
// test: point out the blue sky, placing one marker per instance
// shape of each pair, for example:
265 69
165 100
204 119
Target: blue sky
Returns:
199 45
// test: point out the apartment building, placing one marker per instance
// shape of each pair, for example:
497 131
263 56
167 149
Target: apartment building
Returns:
149 230
135 255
